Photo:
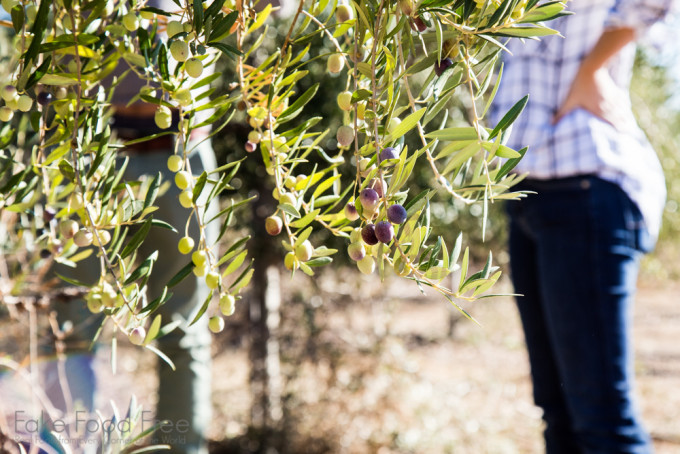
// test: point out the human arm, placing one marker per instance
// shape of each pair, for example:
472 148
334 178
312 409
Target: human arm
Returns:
593 89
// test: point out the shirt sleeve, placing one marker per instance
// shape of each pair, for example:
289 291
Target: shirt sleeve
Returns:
638 14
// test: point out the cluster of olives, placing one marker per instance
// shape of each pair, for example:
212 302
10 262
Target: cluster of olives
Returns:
362 239
199 258
23 102
103 296
302 251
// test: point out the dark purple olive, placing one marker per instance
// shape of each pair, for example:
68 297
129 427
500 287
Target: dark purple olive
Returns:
45 253
442 66
396 214
369 199
384 232
368 235
388 153
48 214
417 24
44 98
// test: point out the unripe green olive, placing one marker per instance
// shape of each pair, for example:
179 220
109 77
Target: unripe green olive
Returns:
6 113
182 179
94 303
227 304
183 96
212 280
180 50
355 235
174 27
290 262
25 103
194 67
137 335
185 245
344 12
82 238
175 163
394 122
335 63
200 270
345 100
68 228
163 117
288 198
216 324
345 136
304 251
289 182
199 258
9 4
366 265
186 199
361 110
76 201
102 238
131 21
254 137
273 225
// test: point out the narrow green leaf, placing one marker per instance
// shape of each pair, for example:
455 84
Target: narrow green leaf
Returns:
289 209
181 274
136 239
294 109
303 222
17 14
464 267
163 62
233 266
161 355
153 329
226 49
406 125
325 185
509 117
152 193
243 279
203 308
143 270
319 261
198 16
461 133
200 184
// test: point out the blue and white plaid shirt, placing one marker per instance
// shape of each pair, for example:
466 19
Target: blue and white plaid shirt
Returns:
581 143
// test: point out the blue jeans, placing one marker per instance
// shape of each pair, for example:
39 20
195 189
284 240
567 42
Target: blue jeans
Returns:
575 248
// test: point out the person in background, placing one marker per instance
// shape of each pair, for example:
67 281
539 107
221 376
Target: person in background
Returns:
184 395
575 245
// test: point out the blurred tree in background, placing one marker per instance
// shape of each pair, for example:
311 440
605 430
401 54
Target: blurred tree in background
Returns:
653 87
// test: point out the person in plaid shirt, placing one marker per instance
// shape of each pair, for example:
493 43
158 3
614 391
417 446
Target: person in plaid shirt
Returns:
575 245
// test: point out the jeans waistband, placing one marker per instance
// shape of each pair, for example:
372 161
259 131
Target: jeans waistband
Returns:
580 182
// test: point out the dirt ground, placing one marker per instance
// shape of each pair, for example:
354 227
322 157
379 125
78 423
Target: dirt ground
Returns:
383 369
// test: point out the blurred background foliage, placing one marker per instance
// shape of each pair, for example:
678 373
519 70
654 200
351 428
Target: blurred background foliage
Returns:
653 86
